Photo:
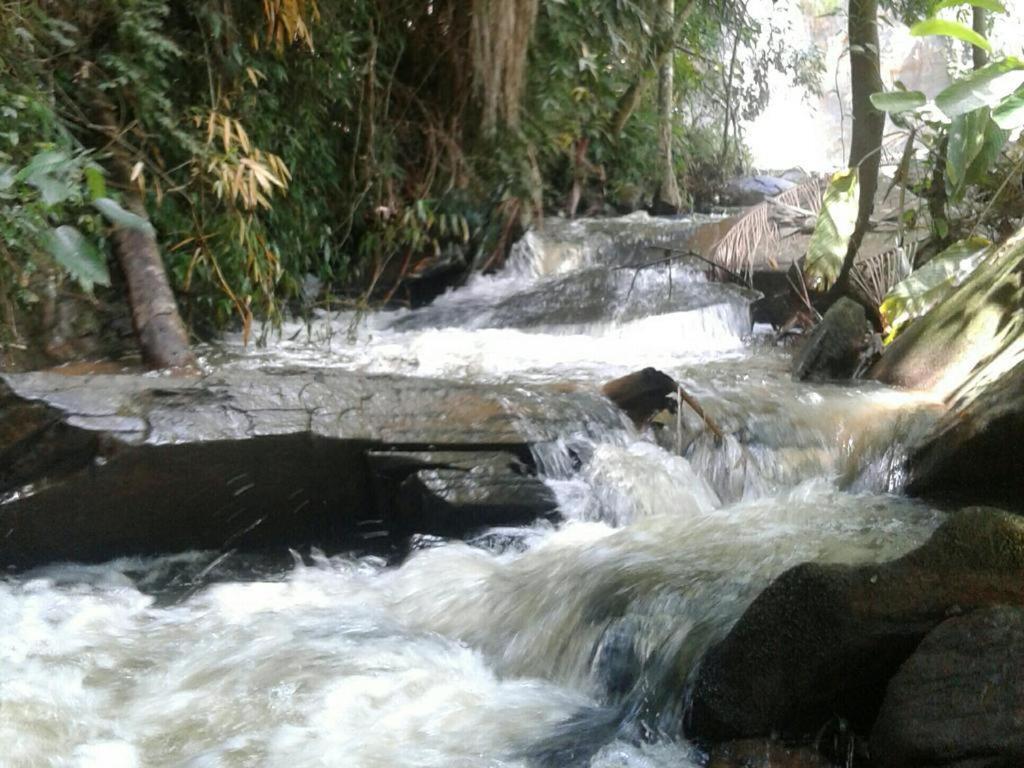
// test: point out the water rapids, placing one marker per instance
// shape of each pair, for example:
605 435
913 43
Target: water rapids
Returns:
543 646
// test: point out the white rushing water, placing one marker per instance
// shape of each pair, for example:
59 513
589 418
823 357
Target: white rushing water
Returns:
543 646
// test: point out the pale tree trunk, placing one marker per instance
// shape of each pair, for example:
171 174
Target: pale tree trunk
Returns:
668 197
161 333
159 329
868 122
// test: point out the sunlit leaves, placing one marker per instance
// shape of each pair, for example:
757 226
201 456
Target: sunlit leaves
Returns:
898 101
1009 115
927 286
989 5
974 145
833 229
985 87
947 28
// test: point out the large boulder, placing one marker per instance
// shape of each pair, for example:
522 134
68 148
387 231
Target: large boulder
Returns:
959 699
837 345
968 339
968 350
823 640
973 452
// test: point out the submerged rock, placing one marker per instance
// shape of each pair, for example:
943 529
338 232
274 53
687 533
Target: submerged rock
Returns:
837 345
958 701
823 640
95 467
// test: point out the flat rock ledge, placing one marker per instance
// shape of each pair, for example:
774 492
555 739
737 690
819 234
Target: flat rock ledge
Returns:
100 466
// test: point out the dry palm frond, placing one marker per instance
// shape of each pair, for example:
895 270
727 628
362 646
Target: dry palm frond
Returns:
875 275
804 197
749 242
737 249
499 40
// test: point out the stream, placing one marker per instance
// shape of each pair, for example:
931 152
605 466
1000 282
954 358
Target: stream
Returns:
549 645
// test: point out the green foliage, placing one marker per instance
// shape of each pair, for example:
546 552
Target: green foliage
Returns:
928 285
947 28
342 141
833 229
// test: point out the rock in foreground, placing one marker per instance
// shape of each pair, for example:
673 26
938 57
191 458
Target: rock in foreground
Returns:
958 701
823 640
94 467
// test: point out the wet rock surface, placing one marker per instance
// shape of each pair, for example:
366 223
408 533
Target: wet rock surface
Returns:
969 338
93 467
973 452
823 640
643 394
959 699
764 753
836 346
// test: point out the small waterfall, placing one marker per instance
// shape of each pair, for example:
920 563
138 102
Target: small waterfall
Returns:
519 647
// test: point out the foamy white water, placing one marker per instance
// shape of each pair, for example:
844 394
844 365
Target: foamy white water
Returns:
552 645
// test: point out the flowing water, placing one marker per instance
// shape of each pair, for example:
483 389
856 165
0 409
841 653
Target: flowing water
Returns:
551 645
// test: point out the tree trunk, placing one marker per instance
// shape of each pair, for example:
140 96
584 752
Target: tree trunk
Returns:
668 198
159 329
627 104
978 22
158 326
868 122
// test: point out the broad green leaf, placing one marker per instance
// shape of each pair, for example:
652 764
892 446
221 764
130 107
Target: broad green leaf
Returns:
120 217
966 139
898 101
1009 115
948 28
927 286
833 229
986 159
989 5
78 256
985 87
6 177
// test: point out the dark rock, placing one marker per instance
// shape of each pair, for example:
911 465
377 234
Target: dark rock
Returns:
835 348
764 753
959 699
452 501
967 339
642 394
94 467
967 350
973 454
823 640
